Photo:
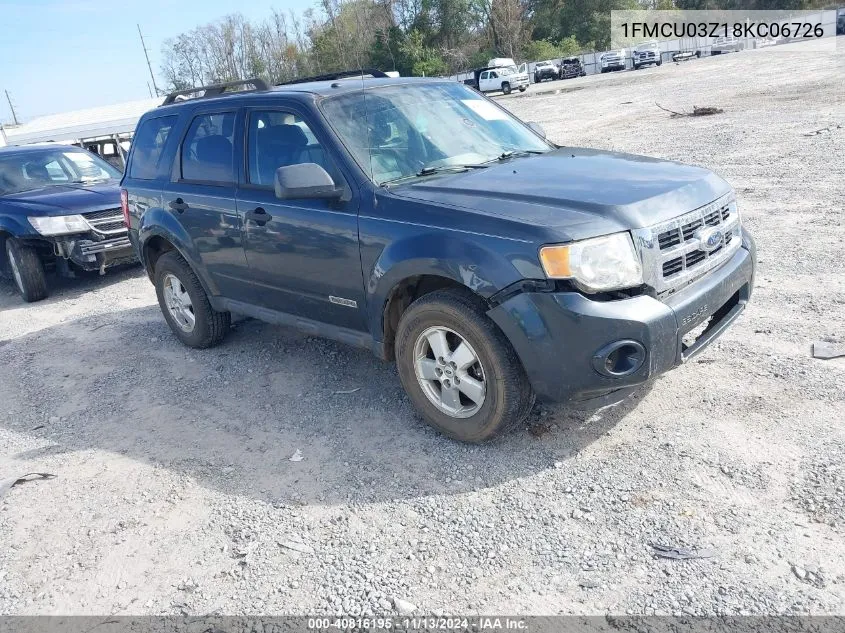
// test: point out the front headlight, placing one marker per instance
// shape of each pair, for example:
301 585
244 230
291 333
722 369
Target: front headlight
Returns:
595 265
59 225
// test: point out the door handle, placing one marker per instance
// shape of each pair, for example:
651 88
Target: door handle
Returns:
178 205
259 216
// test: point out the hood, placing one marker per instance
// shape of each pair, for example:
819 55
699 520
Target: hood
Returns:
63 199
576 192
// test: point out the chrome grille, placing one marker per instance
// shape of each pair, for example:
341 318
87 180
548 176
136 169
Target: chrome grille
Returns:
673 253
106 222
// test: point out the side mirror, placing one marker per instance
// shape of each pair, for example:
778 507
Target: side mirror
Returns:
305 180
538 129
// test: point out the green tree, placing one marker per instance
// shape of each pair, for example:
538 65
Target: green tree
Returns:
539 50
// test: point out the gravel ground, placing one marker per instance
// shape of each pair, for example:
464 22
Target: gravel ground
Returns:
176 492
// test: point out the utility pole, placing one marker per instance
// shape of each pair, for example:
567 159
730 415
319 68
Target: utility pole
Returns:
11 107
146 55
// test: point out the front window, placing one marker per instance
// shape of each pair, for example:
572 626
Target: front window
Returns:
414 129
28 170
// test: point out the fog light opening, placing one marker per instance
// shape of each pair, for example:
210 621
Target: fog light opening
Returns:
619 359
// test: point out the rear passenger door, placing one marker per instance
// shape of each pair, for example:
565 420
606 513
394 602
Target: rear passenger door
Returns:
304 253
201 198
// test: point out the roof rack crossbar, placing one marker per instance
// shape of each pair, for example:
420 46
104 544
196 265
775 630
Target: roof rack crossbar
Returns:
343 74
215 90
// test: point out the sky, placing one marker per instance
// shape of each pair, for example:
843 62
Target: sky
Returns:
57 56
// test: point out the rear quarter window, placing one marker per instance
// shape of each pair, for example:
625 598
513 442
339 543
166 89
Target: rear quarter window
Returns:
147 147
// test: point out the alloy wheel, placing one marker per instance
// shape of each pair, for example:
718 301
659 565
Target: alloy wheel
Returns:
13 264
449 372
179 303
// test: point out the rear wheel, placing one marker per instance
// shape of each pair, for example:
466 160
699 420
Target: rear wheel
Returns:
185 305
27 270
458 368
523 88
506 88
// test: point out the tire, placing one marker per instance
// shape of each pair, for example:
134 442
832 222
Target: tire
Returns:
209 326
523 88
537 79
27 270
506 88
659 63
507 397
603 70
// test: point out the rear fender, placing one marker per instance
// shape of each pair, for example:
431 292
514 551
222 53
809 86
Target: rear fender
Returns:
157 222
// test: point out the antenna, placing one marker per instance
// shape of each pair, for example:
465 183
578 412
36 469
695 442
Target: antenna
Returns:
146 55
12 108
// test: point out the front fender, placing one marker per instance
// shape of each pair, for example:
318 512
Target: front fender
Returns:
478 267
157 222
17 226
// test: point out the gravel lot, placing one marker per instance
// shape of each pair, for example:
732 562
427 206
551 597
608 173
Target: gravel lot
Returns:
175 492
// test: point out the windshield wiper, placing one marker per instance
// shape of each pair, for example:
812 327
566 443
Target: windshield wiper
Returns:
514 153
88 181
431 171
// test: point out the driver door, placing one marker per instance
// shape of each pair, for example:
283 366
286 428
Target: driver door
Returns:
302 254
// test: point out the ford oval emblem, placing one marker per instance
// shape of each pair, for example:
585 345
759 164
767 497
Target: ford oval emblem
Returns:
710 239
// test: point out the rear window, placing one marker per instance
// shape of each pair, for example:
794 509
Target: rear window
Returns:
147 147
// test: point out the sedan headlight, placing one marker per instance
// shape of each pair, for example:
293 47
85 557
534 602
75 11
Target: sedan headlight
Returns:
595 265
59 225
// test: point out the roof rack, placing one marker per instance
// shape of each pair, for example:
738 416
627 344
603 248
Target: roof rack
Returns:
343 74
215 90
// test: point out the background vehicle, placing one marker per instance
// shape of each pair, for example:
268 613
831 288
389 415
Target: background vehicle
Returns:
501 62
545 70
59 209
443 233
612 60
571 67
505 79
683 56
645 54
726 45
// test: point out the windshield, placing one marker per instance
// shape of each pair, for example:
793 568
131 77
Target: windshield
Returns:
26 170
416 127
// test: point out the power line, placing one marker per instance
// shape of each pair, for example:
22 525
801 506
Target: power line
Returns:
146 55
11 107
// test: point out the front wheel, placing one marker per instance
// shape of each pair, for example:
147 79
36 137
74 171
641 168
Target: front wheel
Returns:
459 369
523 88
506 88
27 270
185 305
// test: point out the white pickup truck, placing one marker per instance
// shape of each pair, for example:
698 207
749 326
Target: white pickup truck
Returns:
504 79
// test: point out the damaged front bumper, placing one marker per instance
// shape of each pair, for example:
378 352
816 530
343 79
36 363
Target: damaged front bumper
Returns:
577 349
92 255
